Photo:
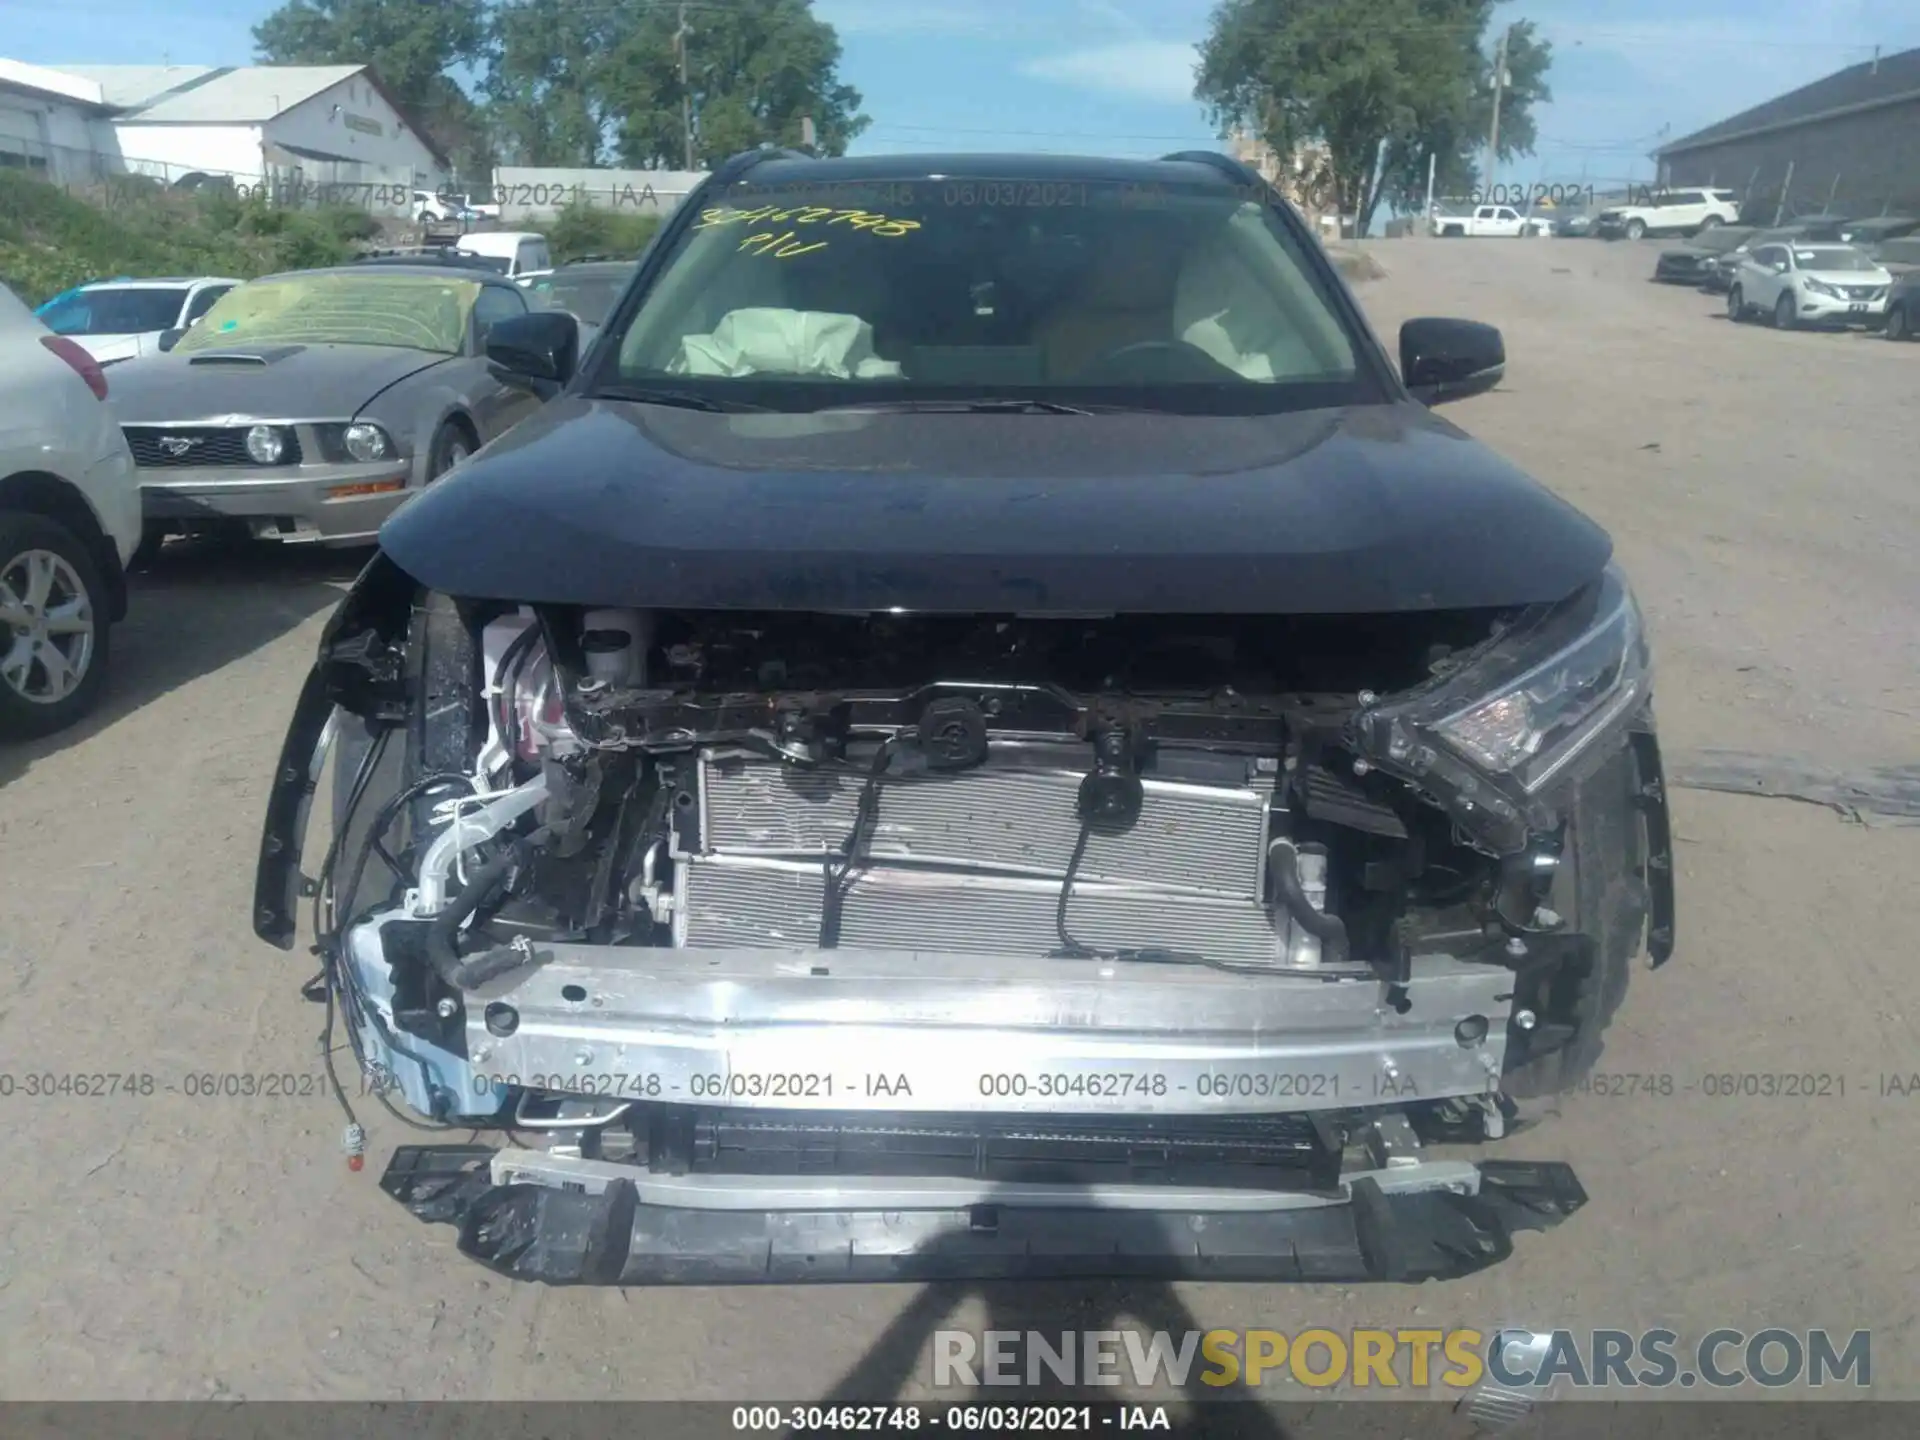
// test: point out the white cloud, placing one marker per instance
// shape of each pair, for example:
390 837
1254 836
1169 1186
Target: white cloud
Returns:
1138 69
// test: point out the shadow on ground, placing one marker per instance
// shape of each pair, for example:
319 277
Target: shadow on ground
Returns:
900 1355
195 607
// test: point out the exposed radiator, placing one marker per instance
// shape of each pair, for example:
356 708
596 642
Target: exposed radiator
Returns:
1011 817
973 863
733 900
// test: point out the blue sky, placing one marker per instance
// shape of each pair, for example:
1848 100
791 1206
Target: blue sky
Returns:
1114 76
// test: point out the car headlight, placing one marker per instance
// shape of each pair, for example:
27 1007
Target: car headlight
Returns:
266 444
367 442
1488 737
1820 287
1539 721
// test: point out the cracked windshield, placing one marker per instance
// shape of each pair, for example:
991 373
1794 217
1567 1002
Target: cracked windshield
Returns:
808 716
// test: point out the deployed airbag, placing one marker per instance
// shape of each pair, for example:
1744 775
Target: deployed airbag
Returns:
785 342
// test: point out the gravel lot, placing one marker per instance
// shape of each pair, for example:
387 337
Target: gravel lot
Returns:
1759 485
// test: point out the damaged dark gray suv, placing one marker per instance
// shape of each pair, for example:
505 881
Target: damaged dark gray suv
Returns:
984 729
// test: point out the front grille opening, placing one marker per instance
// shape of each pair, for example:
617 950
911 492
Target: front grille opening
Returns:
1266 1152
183 447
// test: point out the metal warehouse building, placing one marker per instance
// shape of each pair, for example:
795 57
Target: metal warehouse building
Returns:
1850 142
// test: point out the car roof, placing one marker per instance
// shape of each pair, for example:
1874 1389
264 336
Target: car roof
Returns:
128 281
396 266
595 267
440 258
476 242
1170 170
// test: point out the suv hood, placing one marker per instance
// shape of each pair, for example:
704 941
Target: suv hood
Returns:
265 382
1373 509
1849 279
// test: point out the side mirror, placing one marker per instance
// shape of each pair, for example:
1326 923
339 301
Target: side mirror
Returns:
170 338
536 351
1442 360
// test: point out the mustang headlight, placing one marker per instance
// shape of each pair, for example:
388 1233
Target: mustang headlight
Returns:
1486 738
1536 723
367 442
266 444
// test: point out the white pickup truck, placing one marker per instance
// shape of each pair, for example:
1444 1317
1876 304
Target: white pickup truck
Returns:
1501 220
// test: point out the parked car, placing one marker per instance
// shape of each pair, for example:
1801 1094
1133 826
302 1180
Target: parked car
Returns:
115 320
433 255
309 406
1670 212
1498 220
1897 256
1809 284
442 209
1872 231
932 712
1690 264
1903 304
511 252
1573 225
1821 229
69 524
587 291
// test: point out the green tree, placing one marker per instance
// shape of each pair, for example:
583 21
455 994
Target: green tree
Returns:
411 44
755 70
1380 83
1458 141
543 81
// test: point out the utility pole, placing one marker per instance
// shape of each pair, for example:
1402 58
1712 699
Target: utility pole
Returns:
1499 89
686 96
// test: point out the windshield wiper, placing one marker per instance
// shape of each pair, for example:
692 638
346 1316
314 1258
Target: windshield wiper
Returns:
990 405
679 399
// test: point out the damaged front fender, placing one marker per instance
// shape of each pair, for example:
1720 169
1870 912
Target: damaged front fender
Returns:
277 883
360 671
362 651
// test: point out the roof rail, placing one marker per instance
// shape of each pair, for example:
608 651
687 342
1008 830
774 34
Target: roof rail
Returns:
1237 170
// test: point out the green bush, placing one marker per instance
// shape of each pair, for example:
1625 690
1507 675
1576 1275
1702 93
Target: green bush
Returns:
580 230
51 240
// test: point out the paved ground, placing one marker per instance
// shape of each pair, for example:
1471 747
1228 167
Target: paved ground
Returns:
1761 488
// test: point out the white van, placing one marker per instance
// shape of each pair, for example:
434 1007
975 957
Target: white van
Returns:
514 251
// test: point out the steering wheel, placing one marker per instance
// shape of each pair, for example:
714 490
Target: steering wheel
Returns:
1156 361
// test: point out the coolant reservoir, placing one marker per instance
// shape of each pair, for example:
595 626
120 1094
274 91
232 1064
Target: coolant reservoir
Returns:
615 644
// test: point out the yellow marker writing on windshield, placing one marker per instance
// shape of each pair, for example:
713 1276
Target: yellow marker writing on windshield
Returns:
864 220
781 247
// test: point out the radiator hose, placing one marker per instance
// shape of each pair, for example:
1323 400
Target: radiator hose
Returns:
466 973
1283 864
